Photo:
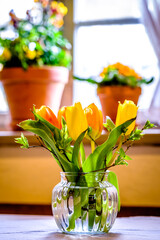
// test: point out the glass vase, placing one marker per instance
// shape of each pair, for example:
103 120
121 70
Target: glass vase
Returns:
84 203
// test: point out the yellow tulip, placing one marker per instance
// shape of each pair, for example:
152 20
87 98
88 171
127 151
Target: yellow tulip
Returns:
126 111
95 120
76 120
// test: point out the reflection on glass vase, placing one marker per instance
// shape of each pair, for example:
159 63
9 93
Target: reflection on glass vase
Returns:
84 203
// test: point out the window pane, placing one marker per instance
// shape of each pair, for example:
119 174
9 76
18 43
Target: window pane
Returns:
104 9
3 102
19 7
97 46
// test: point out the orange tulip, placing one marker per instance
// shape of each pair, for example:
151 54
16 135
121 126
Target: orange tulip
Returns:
61 113
47 114
95 120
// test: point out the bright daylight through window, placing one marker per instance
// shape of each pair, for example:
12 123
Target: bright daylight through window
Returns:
107 32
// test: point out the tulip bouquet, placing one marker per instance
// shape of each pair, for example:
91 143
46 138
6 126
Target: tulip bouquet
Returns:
63 137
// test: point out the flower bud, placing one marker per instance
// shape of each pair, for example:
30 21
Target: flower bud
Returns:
126 111
61 113
48 115
95 120
76 120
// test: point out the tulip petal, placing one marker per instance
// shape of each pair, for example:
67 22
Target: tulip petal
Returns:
76 120
61 113
126 111
95 120
47 114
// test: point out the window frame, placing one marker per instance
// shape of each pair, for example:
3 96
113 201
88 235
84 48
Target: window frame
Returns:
70 28
108 22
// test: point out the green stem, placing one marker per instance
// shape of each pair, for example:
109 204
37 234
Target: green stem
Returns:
82 151
92 145
79 162
116 152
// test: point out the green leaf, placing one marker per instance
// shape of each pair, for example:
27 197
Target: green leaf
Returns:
61 137
65 139
46 135
112 178
122 152
80 197
82 151
22 140
109 157
144 81
121 158
97 159
127 157
135 135
54 129
90 80
109 125
76 148
148 125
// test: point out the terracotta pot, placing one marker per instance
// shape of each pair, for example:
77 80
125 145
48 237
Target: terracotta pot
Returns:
110 95
37 85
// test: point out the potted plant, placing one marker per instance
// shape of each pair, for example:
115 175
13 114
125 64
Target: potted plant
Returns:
36 59
116 83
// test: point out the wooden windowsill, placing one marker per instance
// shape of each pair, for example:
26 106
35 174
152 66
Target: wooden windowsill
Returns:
28 177
151 137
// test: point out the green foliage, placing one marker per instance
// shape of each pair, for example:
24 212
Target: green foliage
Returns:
65 140
71 158
58 142
43 131
122 157
109 124
61 137
35 40
137 133
115 80
148 125
89 80
97 159
22 140
76 149
112 77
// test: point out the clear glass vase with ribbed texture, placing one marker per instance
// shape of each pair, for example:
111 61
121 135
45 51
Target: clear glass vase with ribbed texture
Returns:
84 203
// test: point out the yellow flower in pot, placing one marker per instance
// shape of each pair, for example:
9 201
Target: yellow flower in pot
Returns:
115 83
36 60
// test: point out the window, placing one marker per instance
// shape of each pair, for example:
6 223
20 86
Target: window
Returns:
107 32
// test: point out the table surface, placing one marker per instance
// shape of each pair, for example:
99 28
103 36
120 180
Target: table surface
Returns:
28 227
